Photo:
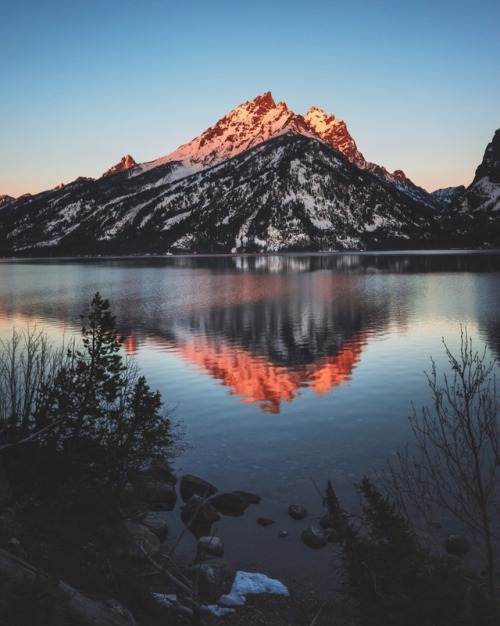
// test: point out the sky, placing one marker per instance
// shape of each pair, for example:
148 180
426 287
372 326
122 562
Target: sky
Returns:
85 82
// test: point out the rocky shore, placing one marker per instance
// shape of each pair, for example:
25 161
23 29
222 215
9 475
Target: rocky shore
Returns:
138 549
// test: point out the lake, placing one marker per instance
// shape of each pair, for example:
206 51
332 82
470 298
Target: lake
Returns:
286 370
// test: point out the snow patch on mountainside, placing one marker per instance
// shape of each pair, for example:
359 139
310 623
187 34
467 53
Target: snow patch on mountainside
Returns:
489 193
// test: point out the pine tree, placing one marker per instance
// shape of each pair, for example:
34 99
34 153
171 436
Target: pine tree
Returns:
104 421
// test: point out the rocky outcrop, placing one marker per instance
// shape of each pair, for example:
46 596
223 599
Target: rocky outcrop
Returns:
473 214
126 163
483 195
490 165
334 131
4 200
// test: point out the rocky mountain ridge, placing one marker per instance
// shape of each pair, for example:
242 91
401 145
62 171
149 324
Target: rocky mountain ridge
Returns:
261 179
5 199
261 119
483 195
125 164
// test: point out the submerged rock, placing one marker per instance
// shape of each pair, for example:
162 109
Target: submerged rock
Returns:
314 537
264 521
192 485
251 498
229 503
297 512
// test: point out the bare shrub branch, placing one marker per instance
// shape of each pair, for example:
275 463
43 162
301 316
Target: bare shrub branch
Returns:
454 465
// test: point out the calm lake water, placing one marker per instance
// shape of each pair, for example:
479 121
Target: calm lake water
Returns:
286 371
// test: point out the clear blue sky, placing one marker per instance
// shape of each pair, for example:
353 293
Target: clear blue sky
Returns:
85 82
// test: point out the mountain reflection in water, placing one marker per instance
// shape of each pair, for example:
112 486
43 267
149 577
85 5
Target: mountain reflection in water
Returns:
267 336
242 347
264 326
260 380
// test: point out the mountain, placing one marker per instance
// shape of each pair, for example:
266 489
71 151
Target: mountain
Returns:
126 163
291 192
248 125
258 120
475 211
450 197
483 195
4 199
261 179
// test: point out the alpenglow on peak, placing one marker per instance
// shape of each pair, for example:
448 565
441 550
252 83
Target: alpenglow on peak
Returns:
261 119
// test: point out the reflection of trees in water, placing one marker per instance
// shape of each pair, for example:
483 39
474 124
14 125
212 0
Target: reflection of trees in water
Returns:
292 309
474 261
288 334
490 333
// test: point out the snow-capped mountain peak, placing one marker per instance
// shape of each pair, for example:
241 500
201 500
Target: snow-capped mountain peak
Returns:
259 120
246 126
334 131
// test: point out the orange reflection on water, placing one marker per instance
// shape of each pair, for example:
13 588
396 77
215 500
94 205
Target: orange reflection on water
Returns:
131 345
337 369
259 380
55 330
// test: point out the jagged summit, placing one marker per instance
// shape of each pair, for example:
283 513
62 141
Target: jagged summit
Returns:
4 199
261 119
334 131
246 126
490 165
266 101
125 164
483 195
291 192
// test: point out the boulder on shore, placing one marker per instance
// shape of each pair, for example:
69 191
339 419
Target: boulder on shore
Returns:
156 524
131 539
162 470
198 510
192 485
158 495
213 578
212 546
